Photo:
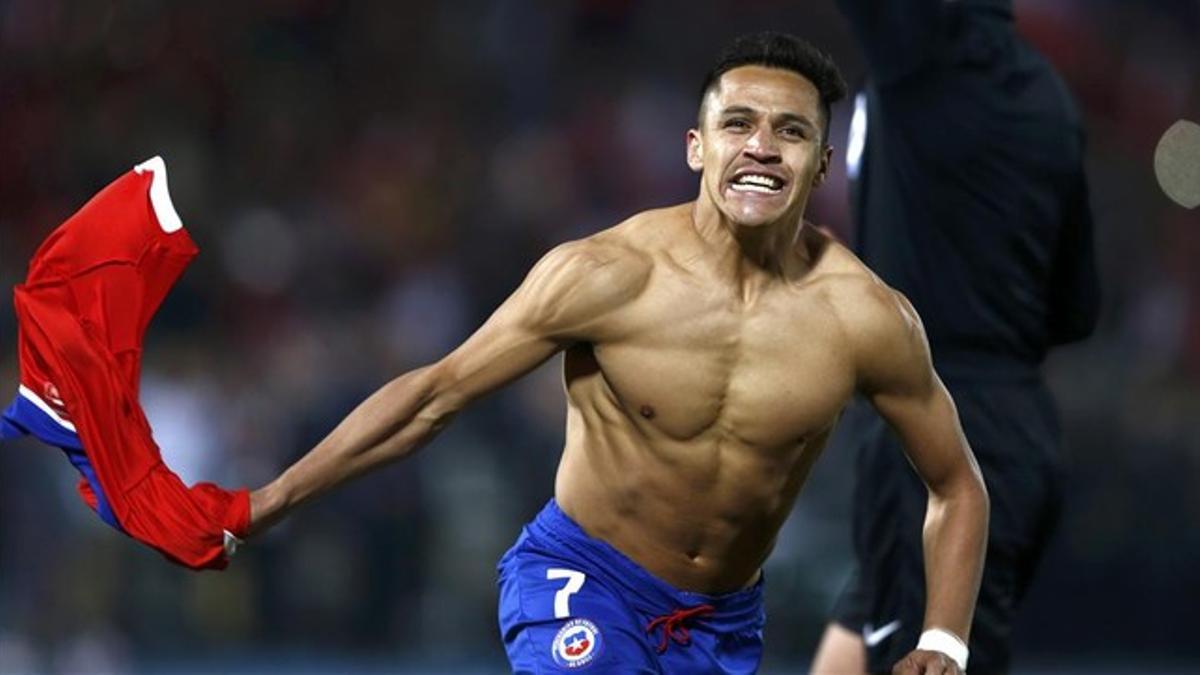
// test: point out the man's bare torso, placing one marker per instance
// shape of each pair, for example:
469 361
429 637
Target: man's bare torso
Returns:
709 349
698 410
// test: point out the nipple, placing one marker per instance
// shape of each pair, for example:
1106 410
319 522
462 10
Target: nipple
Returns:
647 412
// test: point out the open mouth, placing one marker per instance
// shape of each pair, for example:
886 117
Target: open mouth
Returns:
760 183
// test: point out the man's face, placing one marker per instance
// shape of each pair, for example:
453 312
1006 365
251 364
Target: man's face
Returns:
759 148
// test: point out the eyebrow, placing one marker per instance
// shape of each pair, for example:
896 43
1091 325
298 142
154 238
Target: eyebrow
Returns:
785 117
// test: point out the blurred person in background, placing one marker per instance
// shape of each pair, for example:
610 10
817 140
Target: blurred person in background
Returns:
966 156
688 434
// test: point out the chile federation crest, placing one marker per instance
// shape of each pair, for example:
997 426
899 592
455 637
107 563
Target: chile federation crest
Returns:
577 644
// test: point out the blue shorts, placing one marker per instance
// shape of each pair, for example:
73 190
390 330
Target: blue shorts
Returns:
571 602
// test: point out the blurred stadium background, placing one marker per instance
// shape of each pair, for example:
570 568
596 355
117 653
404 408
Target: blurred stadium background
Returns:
368 180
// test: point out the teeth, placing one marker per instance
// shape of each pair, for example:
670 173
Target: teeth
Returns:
750 187
769 182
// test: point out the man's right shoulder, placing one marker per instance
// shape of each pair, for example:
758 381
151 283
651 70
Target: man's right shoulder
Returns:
581 281
622 256
614 256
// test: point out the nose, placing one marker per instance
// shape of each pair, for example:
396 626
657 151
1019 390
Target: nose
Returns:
762 147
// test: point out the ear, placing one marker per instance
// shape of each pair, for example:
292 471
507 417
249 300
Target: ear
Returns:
823 169
695 150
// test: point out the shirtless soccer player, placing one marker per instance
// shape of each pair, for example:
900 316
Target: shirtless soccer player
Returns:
708 351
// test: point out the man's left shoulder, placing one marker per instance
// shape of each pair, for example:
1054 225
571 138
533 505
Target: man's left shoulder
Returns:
840 278
870 312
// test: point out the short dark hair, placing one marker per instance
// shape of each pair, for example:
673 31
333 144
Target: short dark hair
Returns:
788 52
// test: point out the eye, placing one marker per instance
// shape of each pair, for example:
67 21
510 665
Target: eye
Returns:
737 123
796 133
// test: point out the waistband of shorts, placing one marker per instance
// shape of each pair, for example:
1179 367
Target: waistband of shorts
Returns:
648 592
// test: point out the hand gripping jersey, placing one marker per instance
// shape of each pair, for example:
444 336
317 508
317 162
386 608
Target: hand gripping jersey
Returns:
92 288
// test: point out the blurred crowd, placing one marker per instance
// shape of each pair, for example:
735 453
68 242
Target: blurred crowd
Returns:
367 181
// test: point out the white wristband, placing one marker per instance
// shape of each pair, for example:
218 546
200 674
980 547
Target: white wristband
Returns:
938 640
231 543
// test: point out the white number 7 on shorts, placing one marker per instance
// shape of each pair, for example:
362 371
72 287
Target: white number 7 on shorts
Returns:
574 582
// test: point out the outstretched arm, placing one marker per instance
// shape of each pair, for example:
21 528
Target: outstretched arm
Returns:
558 303
897 375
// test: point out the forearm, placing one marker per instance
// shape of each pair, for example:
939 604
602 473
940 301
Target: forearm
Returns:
956 524
393 422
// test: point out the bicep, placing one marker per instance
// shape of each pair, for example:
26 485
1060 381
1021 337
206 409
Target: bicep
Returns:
927 423
500 351
899 380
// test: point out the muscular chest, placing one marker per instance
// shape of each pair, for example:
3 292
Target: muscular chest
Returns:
695 361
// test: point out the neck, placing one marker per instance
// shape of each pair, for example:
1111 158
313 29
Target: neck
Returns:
752 255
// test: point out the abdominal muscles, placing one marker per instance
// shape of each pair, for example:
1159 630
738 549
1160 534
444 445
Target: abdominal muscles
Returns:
701 512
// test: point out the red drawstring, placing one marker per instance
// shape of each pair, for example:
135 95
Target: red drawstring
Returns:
674 620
